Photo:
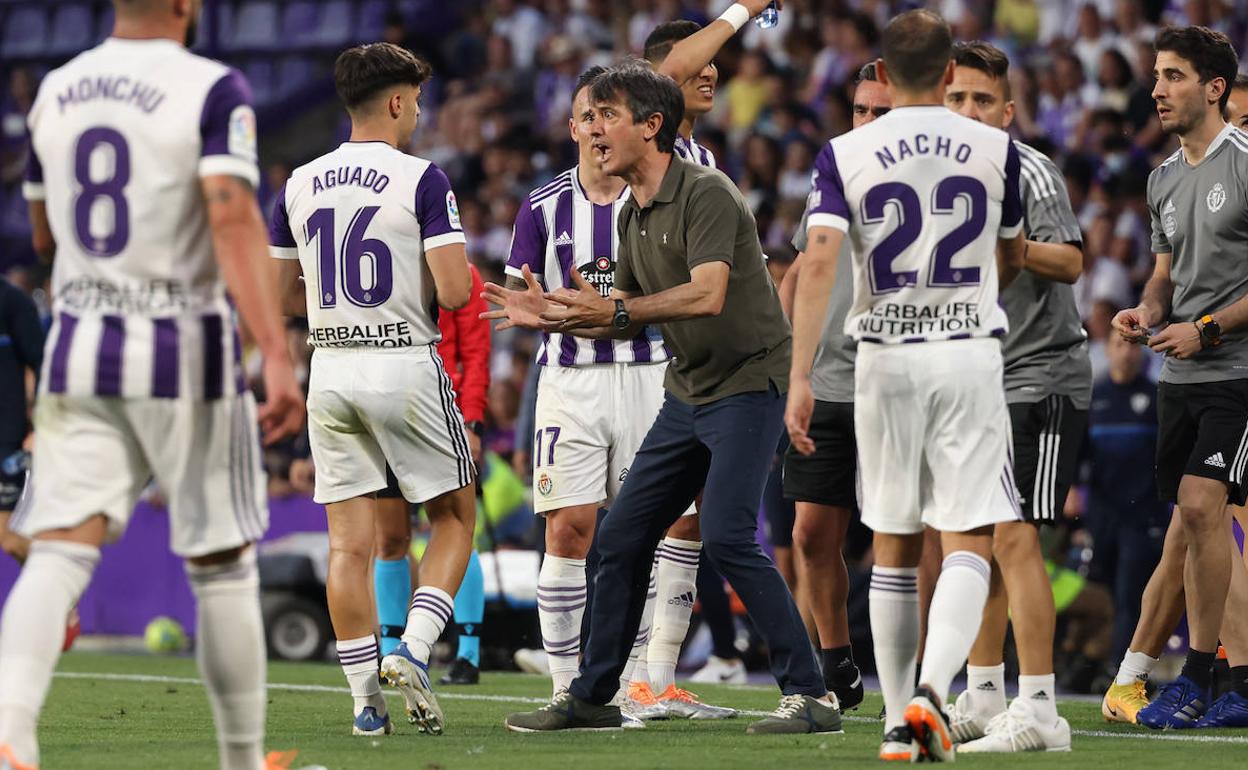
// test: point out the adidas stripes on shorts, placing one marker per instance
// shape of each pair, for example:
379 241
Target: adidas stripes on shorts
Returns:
1203 431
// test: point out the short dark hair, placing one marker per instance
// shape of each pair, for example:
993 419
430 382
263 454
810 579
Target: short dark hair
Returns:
1241 81
360 73
917 46
587 78
659 43
987 58
645 92
867 72
1209 51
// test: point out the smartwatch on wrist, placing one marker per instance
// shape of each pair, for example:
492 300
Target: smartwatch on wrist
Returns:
476 426
621 318
1210 332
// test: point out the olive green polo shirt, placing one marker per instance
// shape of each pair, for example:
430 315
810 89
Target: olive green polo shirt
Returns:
699 216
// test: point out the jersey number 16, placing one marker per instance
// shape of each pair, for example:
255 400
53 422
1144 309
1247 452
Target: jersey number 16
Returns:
355 255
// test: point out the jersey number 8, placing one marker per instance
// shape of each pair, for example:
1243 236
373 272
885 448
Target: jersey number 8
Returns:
102 241
355 250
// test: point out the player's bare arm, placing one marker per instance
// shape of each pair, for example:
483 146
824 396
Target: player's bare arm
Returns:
689 56
788 286
294 300
451 277
1061 262
585 312
1135 324
810 307
1010 258
239 243
41 232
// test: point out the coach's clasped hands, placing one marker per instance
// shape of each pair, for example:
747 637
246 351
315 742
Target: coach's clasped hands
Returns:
555 311
1179 340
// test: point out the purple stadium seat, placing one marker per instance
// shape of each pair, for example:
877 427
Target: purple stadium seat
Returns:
296 72
300 23
105 26
336 24
259 73
255 27
73 30
25 32
372 20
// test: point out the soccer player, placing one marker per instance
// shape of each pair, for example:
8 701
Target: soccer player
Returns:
1198 199
824 484
377 238
1048 387
595 401
930 202
142 181
688 259
21 355
465 352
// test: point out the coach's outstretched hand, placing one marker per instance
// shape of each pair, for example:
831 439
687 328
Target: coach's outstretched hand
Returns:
518 308
281 415
797 412
584 308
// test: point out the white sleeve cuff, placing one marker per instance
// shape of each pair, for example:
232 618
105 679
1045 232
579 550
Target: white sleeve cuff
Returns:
229 165
34 191
284 252
446 239
518 273
1010 232
835 221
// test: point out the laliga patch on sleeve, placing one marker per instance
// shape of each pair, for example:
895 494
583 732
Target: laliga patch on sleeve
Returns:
452 210
242 140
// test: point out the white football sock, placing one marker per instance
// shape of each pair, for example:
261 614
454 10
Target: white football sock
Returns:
1135 665
1041 692
954 618
636 669
894 610
229 647
32 629
358 658
986 684
676 583
430 611
560 610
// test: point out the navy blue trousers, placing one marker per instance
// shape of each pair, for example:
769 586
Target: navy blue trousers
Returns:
725 447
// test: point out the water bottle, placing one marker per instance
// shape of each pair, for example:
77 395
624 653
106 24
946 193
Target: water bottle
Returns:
770 16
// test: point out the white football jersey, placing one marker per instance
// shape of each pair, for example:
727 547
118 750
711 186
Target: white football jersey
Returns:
924 194
360 220
121 136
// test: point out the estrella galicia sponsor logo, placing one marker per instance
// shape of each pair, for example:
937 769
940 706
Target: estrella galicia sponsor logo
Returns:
1216 198
544 485
600 273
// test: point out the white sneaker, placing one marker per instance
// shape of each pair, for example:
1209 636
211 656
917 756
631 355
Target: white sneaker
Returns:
1020 729
532 661
720 671
965 722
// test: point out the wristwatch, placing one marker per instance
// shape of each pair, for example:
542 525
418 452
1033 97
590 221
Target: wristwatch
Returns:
476 426
621 319
1210 332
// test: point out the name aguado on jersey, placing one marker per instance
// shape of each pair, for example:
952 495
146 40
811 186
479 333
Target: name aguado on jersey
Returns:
923 208
360 220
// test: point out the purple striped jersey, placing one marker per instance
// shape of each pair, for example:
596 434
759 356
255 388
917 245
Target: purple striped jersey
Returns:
559 229
121 137
690 150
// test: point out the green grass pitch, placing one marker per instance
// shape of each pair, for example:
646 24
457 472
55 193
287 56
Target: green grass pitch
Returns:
114 711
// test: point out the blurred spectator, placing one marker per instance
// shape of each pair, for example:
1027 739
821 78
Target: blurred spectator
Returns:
1123 514
523 26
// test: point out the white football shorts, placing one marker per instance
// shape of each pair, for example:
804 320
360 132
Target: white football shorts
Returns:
589 423
933 436
367 407
95 455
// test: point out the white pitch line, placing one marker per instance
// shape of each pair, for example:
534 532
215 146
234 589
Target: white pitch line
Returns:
1149 736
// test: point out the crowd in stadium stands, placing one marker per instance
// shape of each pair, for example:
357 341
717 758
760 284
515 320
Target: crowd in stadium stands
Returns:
495 119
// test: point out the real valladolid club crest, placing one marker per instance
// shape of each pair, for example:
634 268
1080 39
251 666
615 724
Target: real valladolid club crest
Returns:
1216 198
545 485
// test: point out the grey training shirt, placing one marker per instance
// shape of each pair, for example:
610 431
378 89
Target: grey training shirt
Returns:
1046 351
1200 217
